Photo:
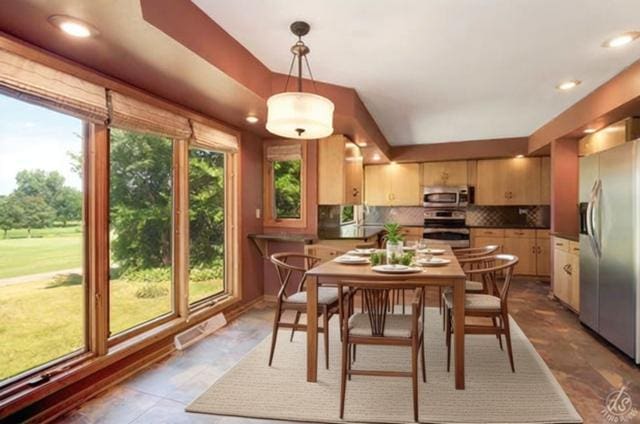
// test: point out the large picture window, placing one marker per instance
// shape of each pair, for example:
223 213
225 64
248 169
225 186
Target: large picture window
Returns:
42 295
206 224
141 211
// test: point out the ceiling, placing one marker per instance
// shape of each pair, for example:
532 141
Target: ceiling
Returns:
445 70
130 49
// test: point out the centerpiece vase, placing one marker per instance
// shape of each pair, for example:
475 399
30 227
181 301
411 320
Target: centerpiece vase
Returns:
394 250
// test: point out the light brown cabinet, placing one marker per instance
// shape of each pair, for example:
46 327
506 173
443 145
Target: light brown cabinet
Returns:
340 172
526 244
508 181
566 272
449 173
392 185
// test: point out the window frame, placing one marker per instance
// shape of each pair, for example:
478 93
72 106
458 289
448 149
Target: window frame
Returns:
270 218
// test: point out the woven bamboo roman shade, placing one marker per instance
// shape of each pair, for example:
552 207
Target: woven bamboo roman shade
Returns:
30 81
207 137
130 114
282 152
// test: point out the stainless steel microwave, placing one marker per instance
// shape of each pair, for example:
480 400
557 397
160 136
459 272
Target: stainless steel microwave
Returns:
446 197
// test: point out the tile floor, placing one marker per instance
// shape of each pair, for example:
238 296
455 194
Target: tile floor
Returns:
587 369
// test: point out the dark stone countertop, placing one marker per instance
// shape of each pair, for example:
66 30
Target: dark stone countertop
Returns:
568 236
349 232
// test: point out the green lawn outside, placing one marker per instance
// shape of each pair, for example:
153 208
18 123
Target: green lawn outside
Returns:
41 321
27 256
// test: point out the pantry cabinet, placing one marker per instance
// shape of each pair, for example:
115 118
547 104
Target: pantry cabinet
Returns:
513 181
340 172
392 185
566 272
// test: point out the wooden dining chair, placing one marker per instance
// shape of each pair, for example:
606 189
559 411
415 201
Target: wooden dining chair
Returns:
377 326
329 301
466 259
492 306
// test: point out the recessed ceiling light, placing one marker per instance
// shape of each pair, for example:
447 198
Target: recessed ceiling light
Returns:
568 85
252 119
589 130
362 143
519 156
375 157
73 26
621 39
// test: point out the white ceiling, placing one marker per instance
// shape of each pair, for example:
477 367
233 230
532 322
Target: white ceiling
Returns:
434 71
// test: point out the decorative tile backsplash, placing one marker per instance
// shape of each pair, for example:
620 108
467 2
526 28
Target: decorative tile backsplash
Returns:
377 215
477 216
508 216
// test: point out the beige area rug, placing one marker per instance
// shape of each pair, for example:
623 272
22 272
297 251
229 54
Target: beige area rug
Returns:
493 393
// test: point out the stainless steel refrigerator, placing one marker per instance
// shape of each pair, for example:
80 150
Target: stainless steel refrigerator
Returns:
610 245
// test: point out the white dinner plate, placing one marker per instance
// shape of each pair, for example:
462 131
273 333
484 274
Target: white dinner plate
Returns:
409 248
396 269
349 259
433 262
430 251
363 252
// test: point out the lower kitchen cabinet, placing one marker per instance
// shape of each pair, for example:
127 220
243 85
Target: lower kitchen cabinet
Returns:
566 272
530 246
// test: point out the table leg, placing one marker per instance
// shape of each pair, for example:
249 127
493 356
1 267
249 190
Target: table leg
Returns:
458 331
312 329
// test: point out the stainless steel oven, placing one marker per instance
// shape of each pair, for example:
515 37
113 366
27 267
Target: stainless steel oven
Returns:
448 226
446 197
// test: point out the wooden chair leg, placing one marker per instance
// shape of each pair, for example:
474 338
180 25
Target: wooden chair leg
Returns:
274 336
325 331
507 335
414 377
349 360
424 365
448 340
343 374
440 301
494 320
403 306
354 353
295 322
340 309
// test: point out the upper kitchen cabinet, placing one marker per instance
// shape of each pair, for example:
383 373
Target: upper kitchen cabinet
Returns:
450 173
392 185
339 172
509 182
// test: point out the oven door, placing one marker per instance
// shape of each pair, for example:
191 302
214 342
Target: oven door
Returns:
454 237
446 199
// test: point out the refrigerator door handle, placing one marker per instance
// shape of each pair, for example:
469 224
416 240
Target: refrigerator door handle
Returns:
595 211
589 219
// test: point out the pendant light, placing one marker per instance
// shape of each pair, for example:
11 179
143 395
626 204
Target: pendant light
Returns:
296 114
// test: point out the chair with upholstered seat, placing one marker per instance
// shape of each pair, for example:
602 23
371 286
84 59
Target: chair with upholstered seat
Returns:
377 326
466 259
488 305
329 302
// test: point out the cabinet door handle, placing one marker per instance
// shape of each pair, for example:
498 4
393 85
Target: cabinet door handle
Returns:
567 269
539 249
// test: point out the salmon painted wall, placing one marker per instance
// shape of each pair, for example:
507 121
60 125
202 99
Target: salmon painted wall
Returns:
564 186
251 199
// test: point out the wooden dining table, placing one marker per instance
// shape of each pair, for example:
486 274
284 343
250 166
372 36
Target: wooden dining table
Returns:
450 275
